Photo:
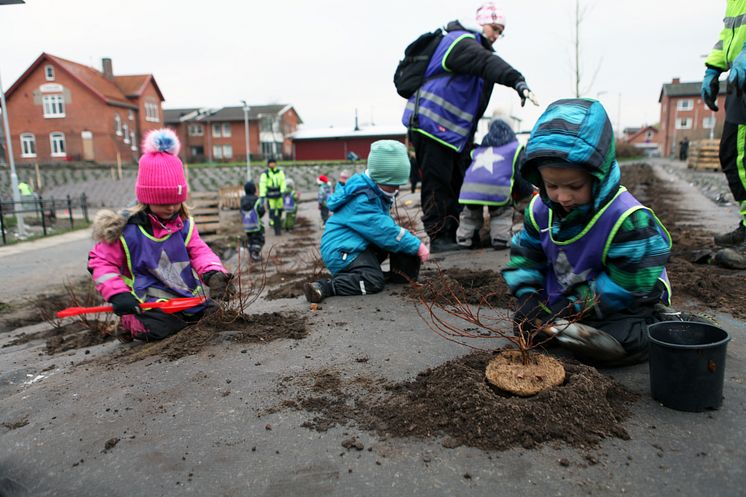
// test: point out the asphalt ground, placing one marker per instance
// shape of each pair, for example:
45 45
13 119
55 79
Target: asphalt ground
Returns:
196 426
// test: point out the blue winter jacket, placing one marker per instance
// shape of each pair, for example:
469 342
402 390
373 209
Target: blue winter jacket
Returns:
361 218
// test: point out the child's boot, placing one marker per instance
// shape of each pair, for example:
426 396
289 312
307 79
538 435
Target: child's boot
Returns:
470 222
255 253
317 291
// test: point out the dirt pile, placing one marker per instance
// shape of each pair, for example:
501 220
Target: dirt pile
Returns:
455 402
466 285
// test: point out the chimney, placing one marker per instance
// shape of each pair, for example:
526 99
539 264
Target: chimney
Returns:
676 81
107 68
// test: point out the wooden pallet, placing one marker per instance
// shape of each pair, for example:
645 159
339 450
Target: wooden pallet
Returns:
230 197
704 155
204 209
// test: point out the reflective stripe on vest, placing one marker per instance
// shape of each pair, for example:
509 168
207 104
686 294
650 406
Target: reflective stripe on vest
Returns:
490 177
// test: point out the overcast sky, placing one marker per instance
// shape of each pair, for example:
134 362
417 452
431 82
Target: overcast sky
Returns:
328 57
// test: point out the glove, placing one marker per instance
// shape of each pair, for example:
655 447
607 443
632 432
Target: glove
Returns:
125 303
220 285
525 93
530 313
737 75
423 252
710 88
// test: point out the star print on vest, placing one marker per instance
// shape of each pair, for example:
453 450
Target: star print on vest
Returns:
565 273
486 160
170 273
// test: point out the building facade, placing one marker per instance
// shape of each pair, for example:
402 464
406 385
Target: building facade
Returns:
219 135
685 115
61 111
337 143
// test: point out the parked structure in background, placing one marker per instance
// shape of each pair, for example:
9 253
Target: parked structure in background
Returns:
219 134
337 143
684 114
65 111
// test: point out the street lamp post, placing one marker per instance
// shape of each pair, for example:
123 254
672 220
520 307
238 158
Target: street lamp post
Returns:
247 138
11 162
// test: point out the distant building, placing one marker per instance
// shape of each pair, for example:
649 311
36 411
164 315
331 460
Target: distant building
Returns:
645 138
219 135
685 115
337 143
61 110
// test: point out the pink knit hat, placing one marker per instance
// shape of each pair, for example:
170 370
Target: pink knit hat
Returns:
160 179
489 13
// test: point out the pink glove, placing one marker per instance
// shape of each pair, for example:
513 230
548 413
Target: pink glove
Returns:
423 252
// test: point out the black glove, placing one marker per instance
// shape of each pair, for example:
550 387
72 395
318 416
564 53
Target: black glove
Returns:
125 303
530 312
525 93
220 285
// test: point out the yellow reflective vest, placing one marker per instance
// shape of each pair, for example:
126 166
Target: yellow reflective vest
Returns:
732 37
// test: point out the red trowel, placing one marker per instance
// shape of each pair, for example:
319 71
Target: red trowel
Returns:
168 306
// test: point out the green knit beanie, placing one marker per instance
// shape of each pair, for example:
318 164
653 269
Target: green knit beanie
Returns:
388 163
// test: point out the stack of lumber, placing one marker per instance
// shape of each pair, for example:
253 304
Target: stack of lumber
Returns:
703 155
204 209
230 197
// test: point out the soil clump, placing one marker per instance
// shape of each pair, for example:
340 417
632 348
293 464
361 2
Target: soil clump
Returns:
455 402
467 285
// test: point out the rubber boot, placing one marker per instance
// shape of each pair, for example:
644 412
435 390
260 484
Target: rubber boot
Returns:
732 238
470 222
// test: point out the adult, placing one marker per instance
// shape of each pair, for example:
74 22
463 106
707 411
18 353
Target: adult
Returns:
684 149
271 188
442 115
729 54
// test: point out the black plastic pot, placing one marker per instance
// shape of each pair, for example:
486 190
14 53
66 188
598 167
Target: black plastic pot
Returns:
687 364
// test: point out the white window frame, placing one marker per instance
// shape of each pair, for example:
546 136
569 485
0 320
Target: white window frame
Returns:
227 151
217 152
117 125
130 115
126 133
217 130
151 112
708 122
134 141
226 130
685 104
28 145
49 72
684 123
196 130
57 138
54 106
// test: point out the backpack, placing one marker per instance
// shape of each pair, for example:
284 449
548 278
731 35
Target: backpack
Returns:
410 73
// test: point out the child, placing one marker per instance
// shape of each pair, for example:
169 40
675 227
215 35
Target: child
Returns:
153 251
588 250
362 233
325 191
290 204
342 179
492 180
252 210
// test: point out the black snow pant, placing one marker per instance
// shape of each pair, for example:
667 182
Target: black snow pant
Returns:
364 275
255 240
159 325
442 176
324 210
733 158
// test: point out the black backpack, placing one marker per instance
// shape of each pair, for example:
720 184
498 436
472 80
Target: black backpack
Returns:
410 73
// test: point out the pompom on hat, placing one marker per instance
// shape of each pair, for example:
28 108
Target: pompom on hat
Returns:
160 177
388 163
322 179
489 13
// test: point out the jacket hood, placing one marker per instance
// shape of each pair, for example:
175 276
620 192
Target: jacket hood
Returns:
345 193
464 25
574 133
249 188
499 134
108 225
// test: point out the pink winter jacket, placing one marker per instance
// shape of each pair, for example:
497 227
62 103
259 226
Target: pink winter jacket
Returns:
107 261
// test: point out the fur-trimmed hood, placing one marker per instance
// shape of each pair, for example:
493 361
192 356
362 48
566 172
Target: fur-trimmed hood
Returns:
108 225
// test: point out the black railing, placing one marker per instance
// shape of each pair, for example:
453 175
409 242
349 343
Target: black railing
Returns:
41 210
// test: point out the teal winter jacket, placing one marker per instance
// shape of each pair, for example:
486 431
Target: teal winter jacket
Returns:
362 217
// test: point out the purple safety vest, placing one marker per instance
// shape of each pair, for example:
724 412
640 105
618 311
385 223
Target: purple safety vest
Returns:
160 267
288 202
489 178
582 258
250 219
445 106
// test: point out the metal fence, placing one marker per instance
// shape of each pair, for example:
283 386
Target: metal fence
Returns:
43 212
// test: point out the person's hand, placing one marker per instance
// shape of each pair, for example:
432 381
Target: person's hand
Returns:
125 303
525 93
737 74
710 88
220 285
423 252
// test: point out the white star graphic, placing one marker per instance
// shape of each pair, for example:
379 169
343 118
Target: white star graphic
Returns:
487 160
170 272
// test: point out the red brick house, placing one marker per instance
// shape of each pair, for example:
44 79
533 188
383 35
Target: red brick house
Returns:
336 143
684 114
60 110
218 135
645 138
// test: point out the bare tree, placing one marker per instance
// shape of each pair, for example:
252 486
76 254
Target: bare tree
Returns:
580 14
